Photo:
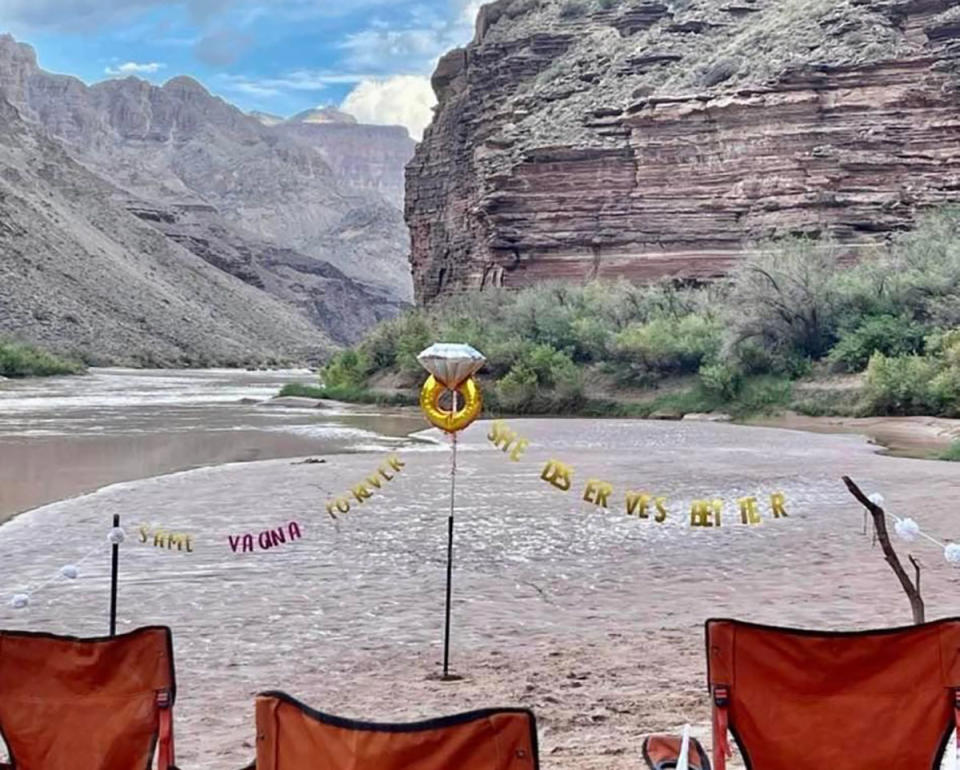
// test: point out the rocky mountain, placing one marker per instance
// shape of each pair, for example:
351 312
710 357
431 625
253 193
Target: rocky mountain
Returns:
369 158
253 200
648 138
81 275
266 118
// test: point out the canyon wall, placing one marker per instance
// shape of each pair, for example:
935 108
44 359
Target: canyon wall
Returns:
578 138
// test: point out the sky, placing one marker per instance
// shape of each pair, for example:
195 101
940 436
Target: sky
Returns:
372 58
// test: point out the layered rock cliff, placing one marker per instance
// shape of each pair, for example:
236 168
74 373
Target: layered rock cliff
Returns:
650 138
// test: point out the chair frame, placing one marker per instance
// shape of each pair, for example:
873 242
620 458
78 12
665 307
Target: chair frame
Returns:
407 727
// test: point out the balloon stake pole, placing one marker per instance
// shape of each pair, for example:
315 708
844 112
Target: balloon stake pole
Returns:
451 366
453 490
114 570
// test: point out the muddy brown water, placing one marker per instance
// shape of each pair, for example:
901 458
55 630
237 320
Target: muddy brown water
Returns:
64 436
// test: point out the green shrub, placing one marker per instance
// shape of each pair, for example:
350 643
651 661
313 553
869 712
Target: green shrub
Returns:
900 385
20 360
347 369
350 394
724 380
952 453
944 393
668 345
763 395
887 334
517 390
549 364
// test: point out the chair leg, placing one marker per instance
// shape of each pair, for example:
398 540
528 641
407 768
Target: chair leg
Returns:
165 747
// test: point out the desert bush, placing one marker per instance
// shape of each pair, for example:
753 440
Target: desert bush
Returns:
517 390
347 369
722 379
784 300
21 360
952 452
668 345
887 334
900 385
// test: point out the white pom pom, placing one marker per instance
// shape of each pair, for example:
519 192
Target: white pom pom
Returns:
115 536
952 553
19 601
69 571
876 498
908 529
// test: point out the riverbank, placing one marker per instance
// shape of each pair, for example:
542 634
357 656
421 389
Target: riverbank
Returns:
919 437
588 616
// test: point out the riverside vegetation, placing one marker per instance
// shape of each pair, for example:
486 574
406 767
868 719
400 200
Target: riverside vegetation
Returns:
792 327
20 360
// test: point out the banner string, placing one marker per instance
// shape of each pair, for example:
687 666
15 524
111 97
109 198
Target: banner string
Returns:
908 530
68 571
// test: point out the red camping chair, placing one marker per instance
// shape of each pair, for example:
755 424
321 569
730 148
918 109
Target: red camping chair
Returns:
87 704
870 700
662 752
292 736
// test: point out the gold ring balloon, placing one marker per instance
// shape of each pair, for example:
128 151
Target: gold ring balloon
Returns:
451 367
470 404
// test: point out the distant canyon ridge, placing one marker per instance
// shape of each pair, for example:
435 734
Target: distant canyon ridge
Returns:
649 138
144 224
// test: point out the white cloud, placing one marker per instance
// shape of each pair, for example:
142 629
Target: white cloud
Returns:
298 80
470 10
414 45
401 100
135 68
381 48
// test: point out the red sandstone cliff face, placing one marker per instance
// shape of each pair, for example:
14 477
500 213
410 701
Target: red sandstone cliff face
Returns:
653 139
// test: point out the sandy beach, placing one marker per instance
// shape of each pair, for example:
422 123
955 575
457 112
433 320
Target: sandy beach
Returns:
903 436
592 618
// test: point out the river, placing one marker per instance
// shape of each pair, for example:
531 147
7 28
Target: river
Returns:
64 436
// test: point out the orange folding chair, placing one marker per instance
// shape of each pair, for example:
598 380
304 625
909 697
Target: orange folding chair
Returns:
87 704
292 736
870 700
662 752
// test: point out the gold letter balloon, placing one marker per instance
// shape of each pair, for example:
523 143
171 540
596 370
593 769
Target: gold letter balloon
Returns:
451 368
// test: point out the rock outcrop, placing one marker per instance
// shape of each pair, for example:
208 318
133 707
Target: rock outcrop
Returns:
651 138
368 158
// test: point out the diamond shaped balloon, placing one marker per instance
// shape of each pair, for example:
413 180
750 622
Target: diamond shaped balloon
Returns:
451 363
